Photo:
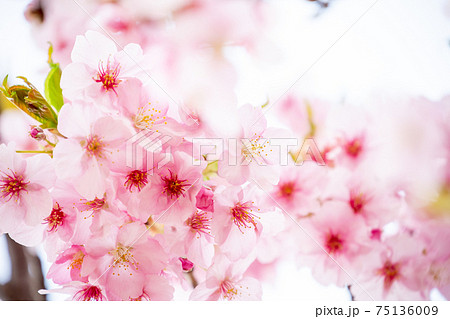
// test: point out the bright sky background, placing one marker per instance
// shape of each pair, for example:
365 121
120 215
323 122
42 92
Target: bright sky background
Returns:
354 50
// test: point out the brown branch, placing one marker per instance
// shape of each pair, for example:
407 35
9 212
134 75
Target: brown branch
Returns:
322 3
191 276
26 275
350 292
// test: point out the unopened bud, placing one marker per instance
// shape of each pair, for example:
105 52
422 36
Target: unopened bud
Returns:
37 133
186 264
375 234
205 200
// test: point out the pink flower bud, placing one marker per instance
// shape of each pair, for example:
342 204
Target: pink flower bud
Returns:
375 234
205 200
37 133
186 264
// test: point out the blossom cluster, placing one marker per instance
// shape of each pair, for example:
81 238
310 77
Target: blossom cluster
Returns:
132 197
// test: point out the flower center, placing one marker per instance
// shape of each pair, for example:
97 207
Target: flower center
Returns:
56 218
174 187
354 147
77 260
390 272
89 293
91 205
254 148
94 204
143 297
108 76
146 117
286 190
357 202
94 146
228 290
334 243
137 179
199 223
12 185
242 215
123 259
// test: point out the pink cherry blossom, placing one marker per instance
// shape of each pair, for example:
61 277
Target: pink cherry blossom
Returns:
151 182
122 262
90 145
173 189
333 242
236 223
252 155
98 68
24 197
224 281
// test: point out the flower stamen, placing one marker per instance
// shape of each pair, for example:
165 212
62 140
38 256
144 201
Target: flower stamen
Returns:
56 218
12 185
174 187
123 259
89 293
390 272
199 223
242 215
94 146
334 243
137 179
108 76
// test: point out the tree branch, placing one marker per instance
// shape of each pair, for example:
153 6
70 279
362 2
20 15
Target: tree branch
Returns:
26 274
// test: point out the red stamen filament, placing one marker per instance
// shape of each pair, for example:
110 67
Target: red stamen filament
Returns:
108 76
390 272
137 179
287 190
334 243
357 202
56 218
242 215
199 223
89 293
354 147
174 187
12 185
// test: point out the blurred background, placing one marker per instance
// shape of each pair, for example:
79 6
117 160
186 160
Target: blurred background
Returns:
337 50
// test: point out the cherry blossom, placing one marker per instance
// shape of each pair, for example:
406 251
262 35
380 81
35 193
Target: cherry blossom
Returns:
24 194
148 177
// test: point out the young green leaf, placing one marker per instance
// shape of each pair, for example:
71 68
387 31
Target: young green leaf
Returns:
28 99
210 170
53 91
52 87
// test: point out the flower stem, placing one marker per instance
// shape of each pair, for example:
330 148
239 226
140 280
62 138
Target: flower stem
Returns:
50 143
35 152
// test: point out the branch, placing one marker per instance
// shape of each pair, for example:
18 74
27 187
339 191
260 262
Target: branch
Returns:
350 292
192 278
26 275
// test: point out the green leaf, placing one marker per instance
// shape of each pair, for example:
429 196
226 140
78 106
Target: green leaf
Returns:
210 170
5 84
28 99
53 91
312 125
52 86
